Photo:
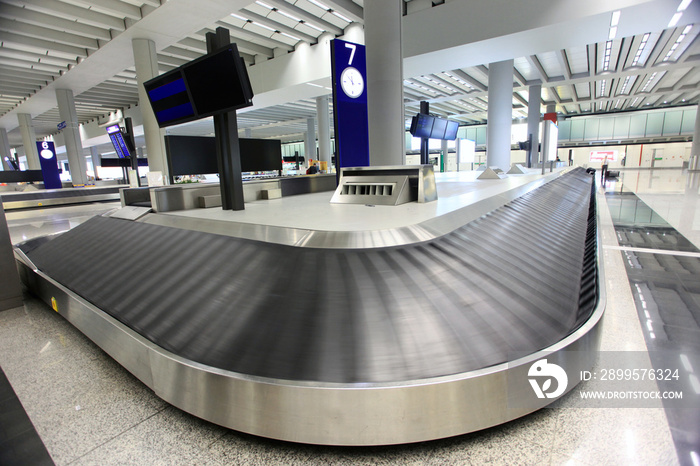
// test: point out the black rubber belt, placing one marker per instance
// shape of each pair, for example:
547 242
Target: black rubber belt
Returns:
507 283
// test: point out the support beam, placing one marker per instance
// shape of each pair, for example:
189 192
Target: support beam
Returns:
695 149
347 8
146 64
29 141
310 139
500 114
279 26
72 12
533 123
40 45
71 137
324 129
306 16
4 149
54 22
385 82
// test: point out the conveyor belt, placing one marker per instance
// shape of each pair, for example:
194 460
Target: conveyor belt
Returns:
60 193
52 197
509 282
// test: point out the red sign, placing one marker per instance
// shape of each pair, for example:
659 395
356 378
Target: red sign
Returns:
600 155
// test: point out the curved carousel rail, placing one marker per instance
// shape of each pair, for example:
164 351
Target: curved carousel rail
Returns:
339 346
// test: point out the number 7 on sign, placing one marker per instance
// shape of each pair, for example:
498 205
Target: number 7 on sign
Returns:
352 53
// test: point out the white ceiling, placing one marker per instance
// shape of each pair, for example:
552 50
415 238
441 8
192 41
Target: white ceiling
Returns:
85 45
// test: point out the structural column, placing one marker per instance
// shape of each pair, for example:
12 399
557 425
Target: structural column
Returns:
324 130
533 122
695 148
5 150
146 64
71 137
29 141
310 139
385 82
500 114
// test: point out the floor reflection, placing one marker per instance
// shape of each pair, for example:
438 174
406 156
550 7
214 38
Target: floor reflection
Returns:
666 289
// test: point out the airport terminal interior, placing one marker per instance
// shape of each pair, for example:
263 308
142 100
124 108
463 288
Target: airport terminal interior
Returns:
217 254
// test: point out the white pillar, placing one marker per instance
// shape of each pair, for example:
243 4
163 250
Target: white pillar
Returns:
146 64
385 82
444 148
71 137
310 139
324 130
29 141
5 150
533 119
695 148
500 114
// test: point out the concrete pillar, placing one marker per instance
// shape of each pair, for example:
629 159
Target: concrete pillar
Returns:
310 139
96 158
146 63
5 150
533 121
500 114
29 141
71 137
444 148
695 148
248 133
324 129
385 82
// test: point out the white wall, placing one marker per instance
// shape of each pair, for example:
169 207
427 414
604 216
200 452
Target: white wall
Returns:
672 155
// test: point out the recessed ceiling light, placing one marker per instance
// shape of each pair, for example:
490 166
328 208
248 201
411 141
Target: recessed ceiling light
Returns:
684 4
675 20
616 18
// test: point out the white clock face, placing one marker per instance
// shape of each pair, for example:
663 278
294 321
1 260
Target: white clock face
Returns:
352 83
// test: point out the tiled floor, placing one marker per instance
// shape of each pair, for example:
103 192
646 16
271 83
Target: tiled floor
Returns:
88 410
19 441
663 267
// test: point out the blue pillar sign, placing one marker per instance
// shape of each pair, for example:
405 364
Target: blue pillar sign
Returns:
350 104
49 164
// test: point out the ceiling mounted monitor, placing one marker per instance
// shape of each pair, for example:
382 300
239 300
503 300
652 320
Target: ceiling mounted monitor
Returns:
422 126
215 83
430 127
451 131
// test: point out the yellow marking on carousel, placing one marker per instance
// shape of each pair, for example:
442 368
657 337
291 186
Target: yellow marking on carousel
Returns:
54 304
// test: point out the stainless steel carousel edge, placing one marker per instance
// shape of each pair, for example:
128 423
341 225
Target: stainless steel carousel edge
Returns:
323 413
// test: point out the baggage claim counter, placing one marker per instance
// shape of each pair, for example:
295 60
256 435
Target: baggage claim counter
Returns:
342 324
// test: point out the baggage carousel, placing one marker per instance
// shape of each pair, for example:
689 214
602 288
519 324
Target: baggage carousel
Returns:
58 197
330 339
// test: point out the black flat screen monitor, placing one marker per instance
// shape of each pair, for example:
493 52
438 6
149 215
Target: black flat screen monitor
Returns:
260 155
118 141
439 127
451 131
430 127
215 83
12 164
196 155
422 126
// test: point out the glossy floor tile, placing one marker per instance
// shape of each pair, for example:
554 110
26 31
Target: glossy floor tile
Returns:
663 268
671 193
19 441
